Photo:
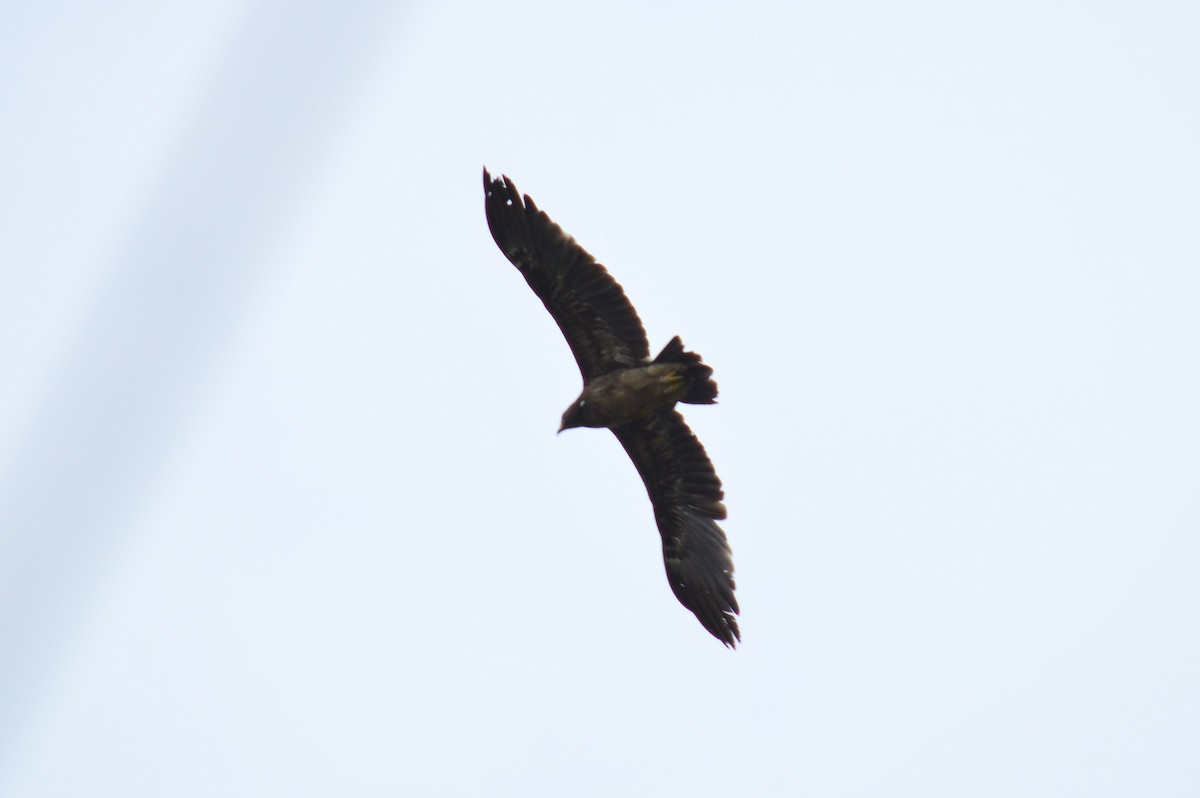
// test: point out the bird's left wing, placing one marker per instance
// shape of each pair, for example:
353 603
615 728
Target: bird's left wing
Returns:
686 494
597 319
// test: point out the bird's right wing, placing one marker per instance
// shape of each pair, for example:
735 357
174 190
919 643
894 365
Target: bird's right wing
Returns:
597 319
686 494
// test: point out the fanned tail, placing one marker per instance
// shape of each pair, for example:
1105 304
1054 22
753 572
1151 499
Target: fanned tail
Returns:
702 390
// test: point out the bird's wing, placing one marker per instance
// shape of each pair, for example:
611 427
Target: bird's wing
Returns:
686 495
597 319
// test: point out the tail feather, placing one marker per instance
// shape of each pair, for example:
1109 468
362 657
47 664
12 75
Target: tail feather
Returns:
701 388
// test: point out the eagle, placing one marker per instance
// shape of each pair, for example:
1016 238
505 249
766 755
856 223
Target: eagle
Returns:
632 395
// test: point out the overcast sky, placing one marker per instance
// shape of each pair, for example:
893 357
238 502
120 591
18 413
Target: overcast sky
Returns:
282 510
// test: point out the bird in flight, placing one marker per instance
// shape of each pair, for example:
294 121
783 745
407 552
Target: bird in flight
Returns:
632 395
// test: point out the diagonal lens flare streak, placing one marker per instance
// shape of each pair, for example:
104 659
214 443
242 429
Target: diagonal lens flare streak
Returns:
113 413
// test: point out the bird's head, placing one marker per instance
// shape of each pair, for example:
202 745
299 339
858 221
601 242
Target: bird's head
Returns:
577 415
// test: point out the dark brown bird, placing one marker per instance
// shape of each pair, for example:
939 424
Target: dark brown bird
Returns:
634 396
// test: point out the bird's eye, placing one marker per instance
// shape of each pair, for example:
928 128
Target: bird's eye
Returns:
582 402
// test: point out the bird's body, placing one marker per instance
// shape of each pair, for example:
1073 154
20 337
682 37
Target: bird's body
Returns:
633 393
620 396
634 396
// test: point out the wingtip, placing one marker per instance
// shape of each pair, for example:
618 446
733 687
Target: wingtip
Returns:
727 631
716 613
735 635
491 184
502 186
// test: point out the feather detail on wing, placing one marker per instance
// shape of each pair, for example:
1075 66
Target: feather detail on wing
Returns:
686 495
597 319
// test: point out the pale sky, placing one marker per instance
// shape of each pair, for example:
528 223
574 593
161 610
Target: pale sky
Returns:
282 507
